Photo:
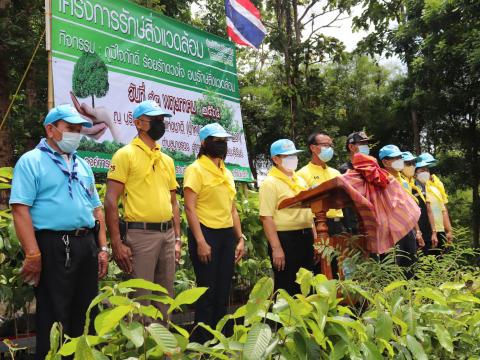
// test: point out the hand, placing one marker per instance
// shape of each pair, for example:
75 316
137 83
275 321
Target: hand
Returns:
123 257
239 251
32 267
100 118
178 250
434 240
102 264
420 241
204 252
317 257
278 257
449 236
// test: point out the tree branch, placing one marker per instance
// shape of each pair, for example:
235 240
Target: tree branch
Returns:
329 25
307 9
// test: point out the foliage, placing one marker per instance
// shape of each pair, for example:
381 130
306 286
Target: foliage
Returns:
119 329
401 321
14 293
90 76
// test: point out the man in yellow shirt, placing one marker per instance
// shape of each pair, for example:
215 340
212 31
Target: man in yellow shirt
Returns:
289 231
317 172
144 178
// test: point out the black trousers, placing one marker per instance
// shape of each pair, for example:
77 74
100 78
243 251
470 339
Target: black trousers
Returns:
439 249
64 294
407 256
297 246
216 275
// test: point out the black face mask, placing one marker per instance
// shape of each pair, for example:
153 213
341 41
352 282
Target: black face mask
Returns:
216 149
157 129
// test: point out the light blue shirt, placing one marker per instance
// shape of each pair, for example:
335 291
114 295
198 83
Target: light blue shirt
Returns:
40 184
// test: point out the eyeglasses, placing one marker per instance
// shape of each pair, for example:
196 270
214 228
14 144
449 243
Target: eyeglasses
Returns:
324 144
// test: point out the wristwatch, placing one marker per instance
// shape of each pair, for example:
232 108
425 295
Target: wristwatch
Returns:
106 249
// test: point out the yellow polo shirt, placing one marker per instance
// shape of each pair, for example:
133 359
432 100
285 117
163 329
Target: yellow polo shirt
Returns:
435 198
314 175
148 176
214 196
272 192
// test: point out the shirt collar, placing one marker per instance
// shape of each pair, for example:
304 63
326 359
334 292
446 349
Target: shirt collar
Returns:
139 142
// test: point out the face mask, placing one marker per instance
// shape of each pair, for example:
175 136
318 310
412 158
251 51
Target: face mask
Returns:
409 171
364 149
216 149
423 177
290 163
398 165
157 129
70 141
326 154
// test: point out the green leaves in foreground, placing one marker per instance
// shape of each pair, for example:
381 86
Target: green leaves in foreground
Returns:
402 321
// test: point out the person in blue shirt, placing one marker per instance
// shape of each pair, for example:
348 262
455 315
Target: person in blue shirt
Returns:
58 218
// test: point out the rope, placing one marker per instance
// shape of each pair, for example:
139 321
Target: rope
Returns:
21 81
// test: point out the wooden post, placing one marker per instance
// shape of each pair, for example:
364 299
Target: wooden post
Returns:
322 235
48 28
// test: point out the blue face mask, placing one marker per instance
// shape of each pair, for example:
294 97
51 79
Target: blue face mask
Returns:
326 154
364 149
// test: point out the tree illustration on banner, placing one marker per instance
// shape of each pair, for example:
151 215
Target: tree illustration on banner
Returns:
212 108
90 77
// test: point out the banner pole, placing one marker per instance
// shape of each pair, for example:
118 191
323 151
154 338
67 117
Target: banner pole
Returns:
48 28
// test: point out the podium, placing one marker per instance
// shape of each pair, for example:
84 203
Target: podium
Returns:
332 194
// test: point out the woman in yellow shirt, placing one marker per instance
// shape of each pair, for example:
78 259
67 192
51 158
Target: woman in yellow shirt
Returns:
215 238
289 231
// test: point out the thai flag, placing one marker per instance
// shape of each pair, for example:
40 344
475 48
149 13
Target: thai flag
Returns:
243 23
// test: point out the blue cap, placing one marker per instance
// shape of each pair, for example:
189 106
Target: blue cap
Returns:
283 147
149 108
389 151
65 112
213 129
408 156
425 159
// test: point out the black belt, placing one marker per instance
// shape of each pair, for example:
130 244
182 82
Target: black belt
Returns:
77 232
162 227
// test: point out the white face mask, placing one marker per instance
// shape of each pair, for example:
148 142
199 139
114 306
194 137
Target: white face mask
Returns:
398 165
290 163
70 141
364 149
325 154
409 171
423 177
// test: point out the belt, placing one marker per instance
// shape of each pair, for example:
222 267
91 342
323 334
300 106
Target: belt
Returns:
77 232
162 227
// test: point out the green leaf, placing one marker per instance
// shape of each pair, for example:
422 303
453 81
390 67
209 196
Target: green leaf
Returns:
187 297
109 319
180 330
164 338
69 347
371 351
83 351
384 326
257 342
133 332
416 348
119 300
444 337
395 285
142 284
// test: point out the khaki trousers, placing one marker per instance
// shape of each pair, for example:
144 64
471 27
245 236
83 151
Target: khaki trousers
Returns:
153 260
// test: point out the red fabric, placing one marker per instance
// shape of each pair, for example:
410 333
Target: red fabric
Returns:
250 7
386 210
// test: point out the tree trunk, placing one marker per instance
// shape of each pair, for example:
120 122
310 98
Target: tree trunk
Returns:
416 132
475 168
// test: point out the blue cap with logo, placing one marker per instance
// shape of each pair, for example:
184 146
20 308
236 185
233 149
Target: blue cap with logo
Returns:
68 113
425 159
408 156
149 108
389 151
283 147
213 129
